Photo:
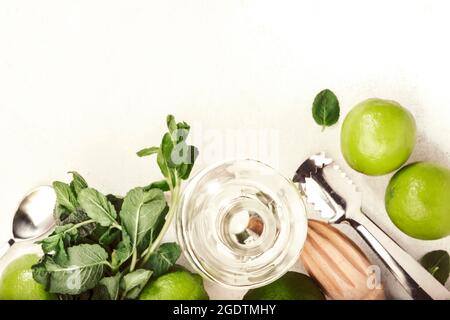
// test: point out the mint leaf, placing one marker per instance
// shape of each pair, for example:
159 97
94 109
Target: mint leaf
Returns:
438 264
133 283
81 272
326 108
167 146
163 165
61 233
183 125
78 183
161 185
65 196
60 256
163 258
40 274
147 151
184 170
122 252
108 237
171 123
107 288
77 217
115 201
97 207
139 214
60 213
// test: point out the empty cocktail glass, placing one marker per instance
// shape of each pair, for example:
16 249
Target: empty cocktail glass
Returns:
241 224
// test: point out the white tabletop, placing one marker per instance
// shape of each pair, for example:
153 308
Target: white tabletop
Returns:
85 84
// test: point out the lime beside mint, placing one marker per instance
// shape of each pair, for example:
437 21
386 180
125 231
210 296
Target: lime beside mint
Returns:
177 285
17 283
292 286
418 200
378 136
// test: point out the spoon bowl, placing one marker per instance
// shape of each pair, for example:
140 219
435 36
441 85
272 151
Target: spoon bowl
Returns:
34 216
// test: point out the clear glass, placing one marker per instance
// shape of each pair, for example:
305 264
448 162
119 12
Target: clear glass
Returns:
241 224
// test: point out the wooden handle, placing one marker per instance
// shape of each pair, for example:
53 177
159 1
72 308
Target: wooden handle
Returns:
338 264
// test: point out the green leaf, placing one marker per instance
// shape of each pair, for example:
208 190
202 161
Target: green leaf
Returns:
147 151
183 125
122 252
181 134
184 170
79 216
167 146
163 258
75 217
326 108
158 225
97 207
40 273
110 236
171 123
438 264
65 196
133 283
161 185
107 288
139 214
61 257
78 183
81 272
63 236
116 201
60 213
61 233
163 165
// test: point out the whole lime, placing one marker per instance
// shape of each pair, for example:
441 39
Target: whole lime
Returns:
418 200
378 136
292 286
177 285
17 283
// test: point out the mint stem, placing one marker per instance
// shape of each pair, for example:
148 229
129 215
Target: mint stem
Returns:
133 261
81 224
175 198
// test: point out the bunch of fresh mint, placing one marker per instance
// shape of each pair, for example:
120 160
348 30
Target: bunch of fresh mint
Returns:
108 247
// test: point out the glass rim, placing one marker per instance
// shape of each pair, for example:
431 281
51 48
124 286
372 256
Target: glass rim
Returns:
289 259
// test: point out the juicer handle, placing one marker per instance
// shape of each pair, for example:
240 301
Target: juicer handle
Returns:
415 279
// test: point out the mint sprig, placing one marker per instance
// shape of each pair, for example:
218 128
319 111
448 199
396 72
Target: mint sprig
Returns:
109 247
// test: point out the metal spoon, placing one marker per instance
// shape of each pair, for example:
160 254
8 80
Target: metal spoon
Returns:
33 218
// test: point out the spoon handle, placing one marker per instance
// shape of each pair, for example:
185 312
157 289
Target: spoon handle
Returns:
412 276
5 247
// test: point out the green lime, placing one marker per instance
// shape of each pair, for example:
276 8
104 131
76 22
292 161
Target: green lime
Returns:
292 286
177 285
418 200
377 136
17 283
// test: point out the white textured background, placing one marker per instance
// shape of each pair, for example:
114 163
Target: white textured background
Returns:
85 84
